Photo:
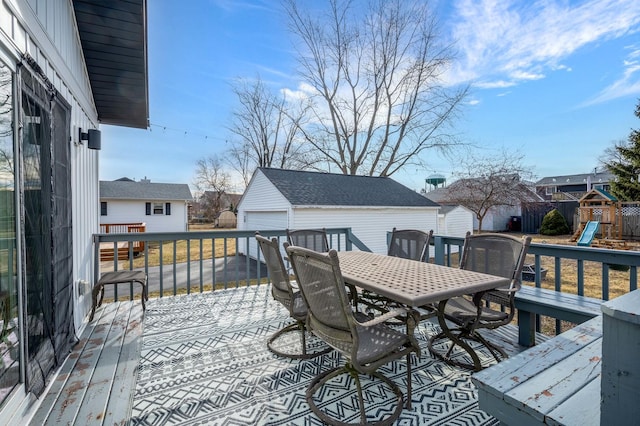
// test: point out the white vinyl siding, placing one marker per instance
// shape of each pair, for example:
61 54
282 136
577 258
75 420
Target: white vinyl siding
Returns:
134 211
497 218
35 27
369 224
261 221
45 30
456 222
261 195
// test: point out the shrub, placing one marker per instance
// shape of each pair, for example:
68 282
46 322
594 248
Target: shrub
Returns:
554 223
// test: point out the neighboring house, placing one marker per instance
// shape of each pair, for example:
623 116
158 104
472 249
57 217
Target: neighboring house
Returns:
162 207
65 67
497 218
572 187
370 206
455 221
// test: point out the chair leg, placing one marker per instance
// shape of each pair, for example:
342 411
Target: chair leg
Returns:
296 327
456 337
454 341
320 380
409 397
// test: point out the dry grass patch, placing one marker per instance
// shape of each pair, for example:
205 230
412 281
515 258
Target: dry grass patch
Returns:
183 251
618 280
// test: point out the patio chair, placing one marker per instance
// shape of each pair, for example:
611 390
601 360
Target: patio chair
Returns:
409 244
496 254
283 291
313 239
365 343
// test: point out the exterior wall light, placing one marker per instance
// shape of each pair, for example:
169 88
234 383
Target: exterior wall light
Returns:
93 138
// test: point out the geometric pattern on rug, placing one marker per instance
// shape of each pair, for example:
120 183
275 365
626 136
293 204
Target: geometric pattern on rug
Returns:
204 360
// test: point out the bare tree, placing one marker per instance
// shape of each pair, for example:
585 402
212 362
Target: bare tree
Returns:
7 166
214 182
612 153
489 182
377 77
267 127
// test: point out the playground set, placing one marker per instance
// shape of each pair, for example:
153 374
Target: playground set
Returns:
601 214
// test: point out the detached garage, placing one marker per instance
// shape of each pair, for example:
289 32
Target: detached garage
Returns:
278 199
455 221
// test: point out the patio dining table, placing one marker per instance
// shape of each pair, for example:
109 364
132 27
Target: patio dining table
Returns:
410 282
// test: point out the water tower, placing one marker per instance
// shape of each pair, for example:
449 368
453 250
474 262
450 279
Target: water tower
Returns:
435 180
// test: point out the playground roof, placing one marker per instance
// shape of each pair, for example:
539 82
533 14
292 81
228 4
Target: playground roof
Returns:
598 195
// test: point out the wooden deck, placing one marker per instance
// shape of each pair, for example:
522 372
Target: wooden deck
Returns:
95 384
116 375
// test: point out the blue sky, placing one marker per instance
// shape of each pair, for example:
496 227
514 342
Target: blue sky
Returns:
556 81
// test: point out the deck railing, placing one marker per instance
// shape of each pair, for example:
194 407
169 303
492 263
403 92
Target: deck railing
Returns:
108 251
185 263
193 261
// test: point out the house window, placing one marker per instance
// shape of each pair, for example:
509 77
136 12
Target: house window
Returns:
103 208
550 190
157 208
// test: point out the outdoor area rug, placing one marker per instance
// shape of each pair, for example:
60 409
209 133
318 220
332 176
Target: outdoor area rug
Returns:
204 360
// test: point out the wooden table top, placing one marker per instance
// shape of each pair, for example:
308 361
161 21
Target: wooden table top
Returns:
411 282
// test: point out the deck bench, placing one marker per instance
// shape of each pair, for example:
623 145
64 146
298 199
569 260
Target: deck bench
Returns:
555 382
530 301
115 278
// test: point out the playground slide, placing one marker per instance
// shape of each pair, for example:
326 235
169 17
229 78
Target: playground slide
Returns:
588 233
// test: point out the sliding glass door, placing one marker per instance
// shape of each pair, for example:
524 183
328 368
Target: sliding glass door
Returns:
10 335
46 219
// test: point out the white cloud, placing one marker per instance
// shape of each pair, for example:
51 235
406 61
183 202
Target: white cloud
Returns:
496 84
503 42
627 85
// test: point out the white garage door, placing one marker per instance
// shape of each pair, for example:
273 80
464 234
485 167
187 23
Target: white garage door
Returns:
258 221
263 221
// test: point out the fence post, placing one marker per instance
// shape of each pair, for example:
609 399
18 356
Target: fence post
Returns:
438 246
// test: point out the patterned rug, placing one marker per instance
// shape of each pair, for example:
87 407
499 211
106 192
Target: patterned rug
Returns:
204 361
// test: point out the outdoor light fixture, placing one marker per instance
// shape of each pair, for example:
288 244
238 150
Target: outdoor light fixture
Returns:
93 137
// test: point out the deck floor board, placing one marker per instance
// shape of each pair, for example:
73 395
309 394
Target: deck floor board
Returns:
83 387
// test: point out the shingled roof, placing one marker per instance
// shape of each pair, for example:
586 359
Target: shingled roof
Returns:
303 188
144 190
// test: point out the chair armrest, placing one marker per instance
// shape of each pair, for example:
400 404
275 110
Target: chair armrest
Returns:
413 319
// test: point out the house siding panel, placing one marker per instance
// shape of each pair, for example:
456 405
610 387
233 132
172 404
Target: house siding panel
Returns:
35 27
262 206
124 211
261 221
264 196
456 223
45 30
369 224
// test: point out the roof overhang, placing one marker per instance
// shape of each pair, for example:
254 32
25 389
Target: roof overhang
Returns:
114 42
